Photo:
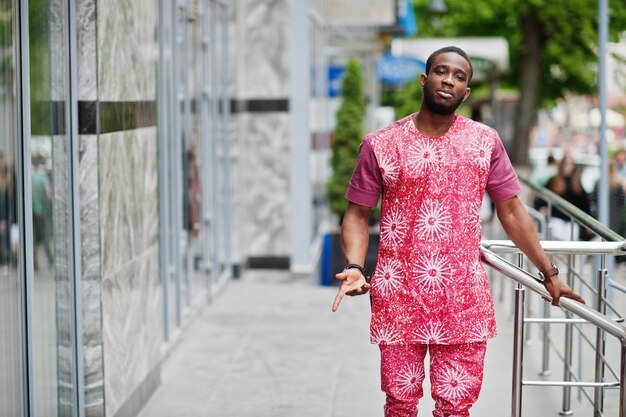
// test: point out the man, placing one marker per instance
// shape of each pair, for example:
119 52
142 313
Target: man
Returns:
430 291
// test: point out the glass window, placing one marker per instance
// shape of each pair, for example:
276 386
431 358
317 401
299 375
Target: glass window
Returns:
53 303
11 324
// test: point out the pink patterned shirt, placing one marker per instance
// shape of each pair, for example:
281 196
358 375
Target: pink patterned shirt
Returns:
429 285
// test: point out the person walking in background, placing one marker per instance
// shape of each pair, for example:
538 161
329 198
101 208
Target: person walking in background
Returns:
41 195
429 290
566 184
7 210
620 166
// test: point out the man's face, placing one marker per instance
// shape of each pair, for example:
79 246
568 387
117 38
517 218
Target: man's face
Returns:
445 87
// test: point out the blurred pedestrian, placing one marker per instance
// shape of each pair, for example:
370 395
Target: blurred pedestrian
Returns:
620 165
430 291
7 210
566 184
41 196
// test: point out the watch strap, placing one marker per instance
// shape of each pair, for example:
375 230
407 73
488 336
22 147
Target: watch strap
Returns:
549 272
360 268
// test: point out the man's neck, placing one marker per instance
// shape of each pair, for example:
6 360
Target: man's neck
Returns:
432 124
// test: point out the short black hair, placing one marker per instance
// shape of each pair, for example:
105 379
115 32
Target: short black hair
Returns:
448 49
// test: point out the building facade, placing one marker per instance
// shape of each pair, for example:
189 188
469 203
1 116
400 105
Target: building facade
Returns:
115 193
151 150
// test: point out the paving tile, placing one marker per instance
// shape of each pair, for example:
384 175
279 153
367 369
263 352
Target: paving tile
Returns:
269 346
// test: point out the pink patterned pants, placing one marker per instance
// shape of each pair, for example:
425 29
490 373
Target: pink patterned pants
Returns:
456 375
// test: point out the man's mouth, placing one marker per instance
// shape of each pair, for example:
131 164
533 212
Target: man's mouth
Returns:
444 94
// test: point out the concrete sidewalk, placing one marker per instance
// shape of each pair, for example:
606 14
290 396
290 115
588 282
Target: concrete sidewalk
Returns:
269 346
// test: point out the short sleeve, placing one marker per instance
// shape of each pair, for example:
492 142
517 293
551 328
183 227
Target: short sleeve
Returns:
502 183
366 183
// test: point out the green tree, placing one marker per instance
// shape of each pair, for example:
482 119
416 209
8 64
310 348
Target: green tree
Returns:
553 47
347 136
409 98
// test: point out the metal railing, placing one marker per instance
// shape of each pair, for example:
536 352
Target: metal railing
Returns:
570 253
575 214
595 317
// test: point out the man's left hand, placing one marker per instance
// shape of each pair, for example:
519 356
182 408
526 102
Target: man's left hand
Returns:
557 289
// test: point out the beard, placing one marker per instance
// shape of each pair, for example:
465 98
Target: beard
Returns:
440 108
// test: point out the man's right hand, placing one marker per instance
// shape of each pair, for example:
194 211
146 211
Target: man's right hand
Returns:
352 283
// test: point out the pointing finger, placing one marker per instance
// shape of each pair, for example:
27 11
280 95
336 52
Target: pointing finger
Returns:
338 298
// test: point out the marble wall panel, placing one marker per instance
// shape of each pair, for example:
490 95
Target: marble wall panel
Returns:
128 196
90 264
132 327
86 45
63 288
131 291
127 50
237 120
58 52
264 208
262 44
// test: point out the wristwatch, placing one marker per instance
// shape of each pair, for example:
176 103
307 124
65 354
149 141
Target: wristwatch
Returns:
360 268
550 272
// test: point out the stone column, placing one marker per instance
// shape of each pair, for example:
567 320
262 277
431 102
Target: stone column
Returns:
261 116
89 211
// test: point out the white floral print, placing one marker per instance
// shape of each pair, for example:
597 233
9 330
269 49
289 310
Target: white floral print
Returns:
393 228
385 335
389 168
482 153
388 277
453 384
432 273
423 156
434 221
432 333
410 378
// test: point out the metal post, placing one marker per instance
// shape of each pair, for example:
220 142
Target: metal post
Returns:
520 265
24 204
545 362
205 139
175 161
71 118
518 352
226 128
598 392
567 350
164 199
214 153
603 186
301 211
185 145
622 379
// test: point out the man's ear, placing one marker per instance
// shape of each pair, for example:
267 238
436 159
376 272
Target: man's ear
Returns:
467 93
423 78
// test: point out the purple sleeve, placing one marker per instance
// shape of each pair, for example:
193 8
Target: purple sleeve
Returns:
502 183
366 183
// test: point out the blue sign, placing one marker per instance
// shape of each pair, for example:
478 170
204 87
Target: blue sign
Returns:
335 75
399 69
406 17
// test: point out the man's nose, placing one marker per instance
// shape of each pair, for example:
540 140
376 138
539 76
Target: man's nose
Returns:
448 79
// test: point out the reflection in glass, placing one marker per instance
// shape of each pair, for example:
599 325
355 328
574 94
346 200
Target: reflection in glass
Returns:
49 159
11 380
